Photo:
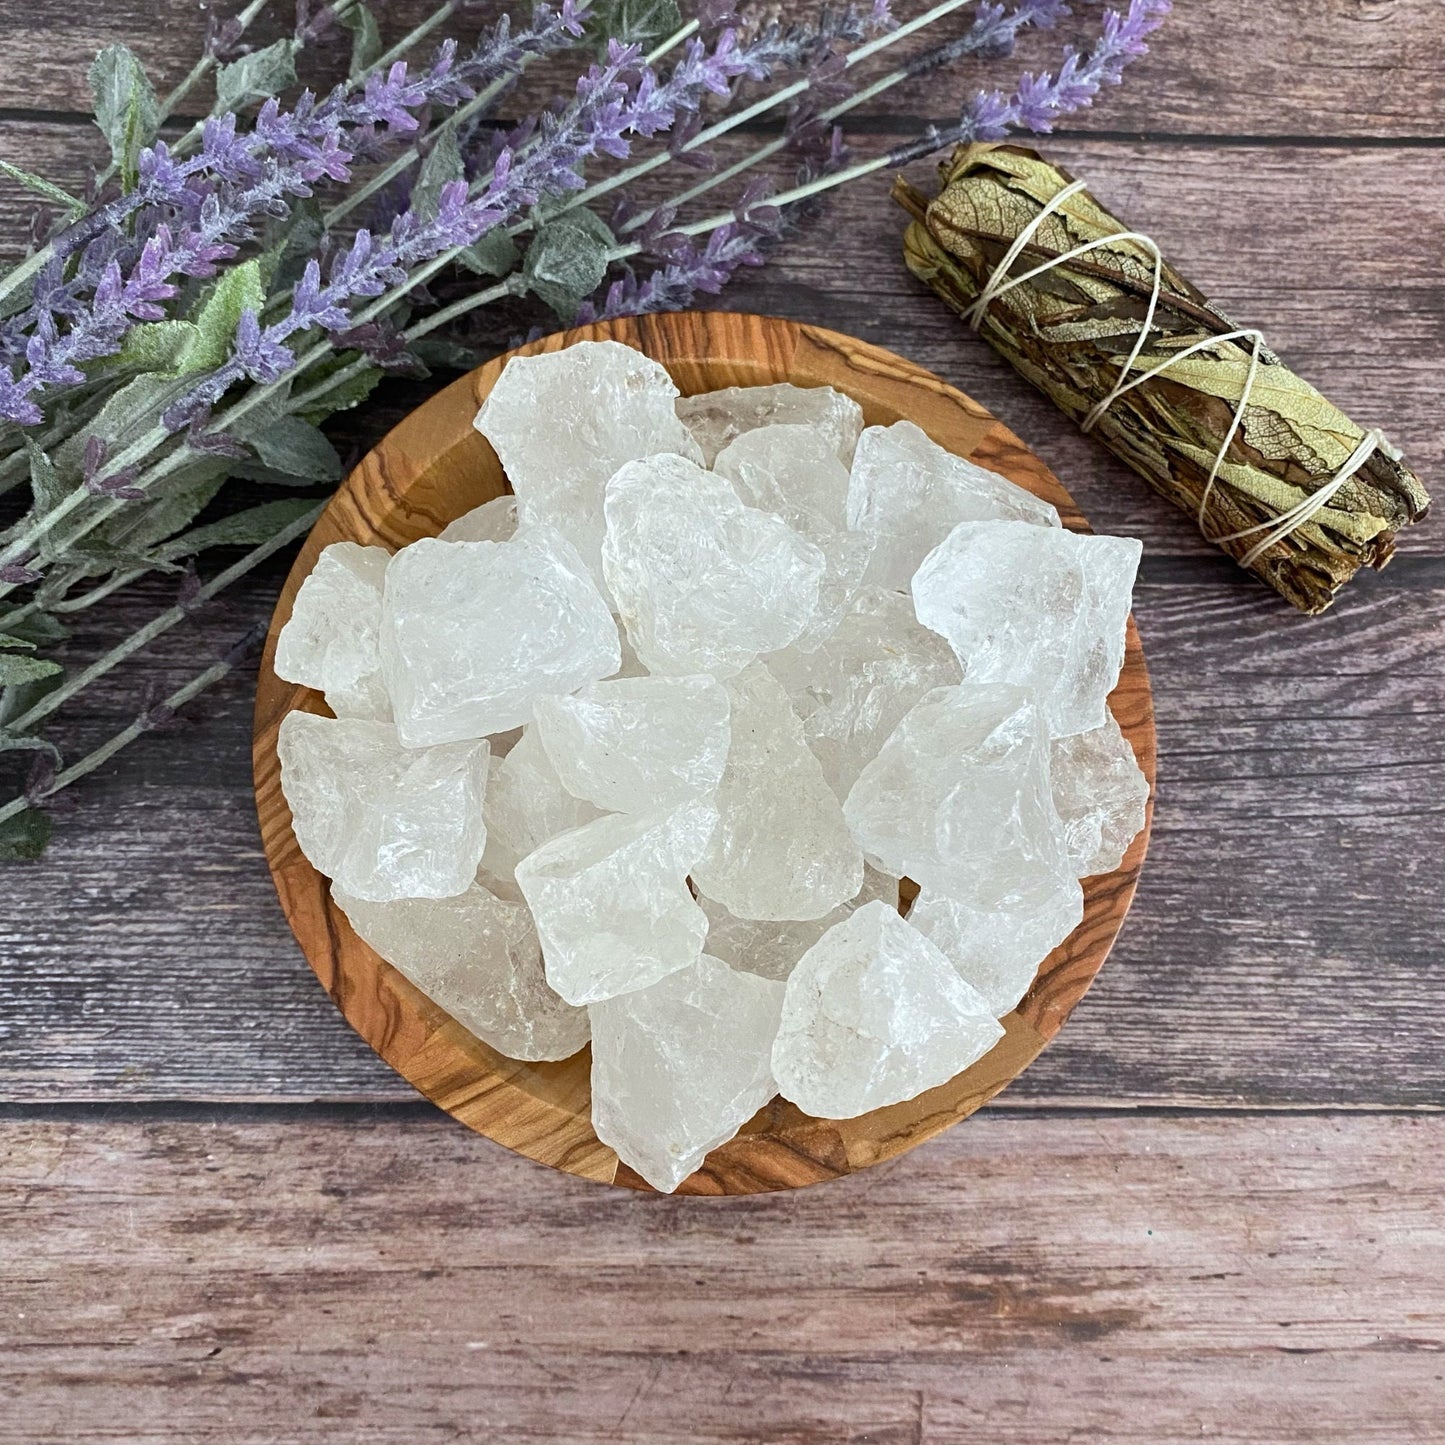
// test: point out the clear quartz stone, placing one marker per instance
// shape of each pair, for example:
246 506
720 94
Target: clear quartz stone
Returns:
874 1014
771 948
909 493
958 799
998 951
494 521
477 957
702 582
383 821
1033 606
679 1067
474 632
331 640
563 422
791 470
716 417
635 744
1100 793
782 849
612 904
852 691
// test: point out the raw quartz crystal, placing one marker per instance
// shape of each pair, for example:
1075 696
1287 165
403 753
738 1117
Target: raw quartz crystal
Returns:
715 418
1100 793
908 493
679 1067
494 521
1036 607
781 849
852 691
772 948
383 821
611 901
998 951
958 800
564 422
331 640
702 583
473 633
477 957
874 1014
634 744
527 805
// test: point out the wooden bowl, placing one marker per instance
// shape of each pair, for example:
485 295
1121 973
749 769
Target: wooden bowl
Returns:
433 467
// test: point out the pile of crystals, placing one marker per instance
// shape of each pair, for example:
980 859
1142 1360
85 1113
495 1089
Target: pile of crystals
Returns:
640 754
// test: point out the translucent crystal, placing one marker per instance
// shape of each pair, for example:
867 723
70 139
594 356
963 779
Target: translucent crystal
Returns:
875 1014
771 948
958 799
853 690
494 521
998 951
474 632
382 820
716 417
612 904
702 582
635 744
1039 607
527 805
477 957
909 493
791 470
781 849
679 1067
1100 794
330 641
563 422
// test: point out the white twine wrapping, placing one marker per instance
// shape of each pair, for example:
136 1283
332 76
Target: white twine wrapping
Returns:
1278 528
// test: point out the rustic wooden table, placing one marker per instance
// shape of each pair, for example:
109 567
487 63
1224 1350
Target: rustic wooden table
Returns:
1210 1210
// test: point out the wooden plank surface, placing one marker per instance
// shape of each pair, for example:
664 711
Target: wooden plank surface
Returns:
399 1282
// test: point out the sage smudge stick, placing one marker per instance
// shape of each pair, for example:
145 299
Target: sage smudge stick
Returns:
1070 330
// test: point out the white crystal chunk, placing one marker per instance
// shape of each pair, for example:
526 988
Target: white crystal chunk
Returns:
702 582
1100 793
474 632
494 521
635 744
383 821
1034 606
910 493
958 799
852 691
527 804
875 1014
477 957
998 951
612 904
771 948
564 421
716 417
331 640
791 470
782 849
679 1067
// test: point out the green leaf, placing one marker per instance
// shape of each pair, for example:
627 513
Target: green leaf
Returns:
567 260
45 484
25 743
290 446
257 76
443 164
494 255
101 558
157 345
441 351
365 38
125 107
345 394
17 669
290 242
8 639
243 529
44 188
634 22
126 416
171 508
23 837
239 289
39 628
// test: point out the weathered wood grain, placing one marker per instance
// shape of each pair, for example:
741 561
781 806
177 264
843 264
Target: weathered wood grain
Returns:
1148 1280
1219 67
